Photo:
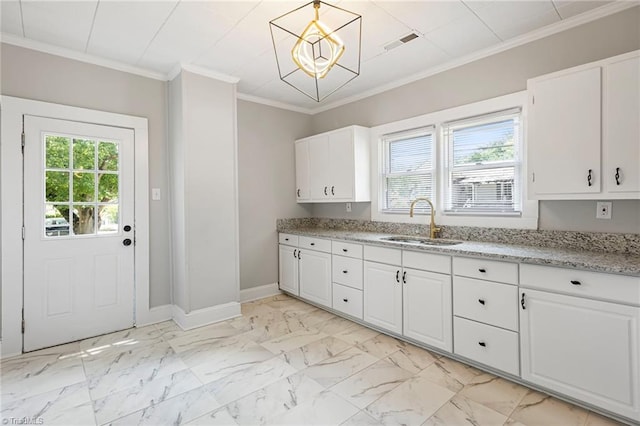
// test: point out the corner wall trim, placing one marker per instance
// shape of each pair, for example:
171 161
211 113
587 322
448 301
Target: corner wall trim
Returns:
255 293
206 316
155 315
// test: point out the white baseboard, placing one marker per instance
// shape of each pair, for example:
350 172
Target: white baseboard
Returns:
255 293
155 315
201 317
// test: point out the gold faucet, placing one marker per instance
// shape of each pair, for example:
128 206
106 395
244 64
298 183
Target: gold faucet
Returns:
433 229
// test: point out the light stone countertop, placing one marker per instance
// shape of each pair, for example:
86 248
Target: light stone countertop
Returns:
613 263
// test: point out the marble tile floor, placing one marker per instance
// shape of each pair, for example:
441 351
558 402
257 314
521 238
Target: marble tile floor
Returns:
281 362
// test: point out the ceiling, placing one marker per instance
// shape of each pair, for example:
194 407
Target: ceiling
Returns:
232 38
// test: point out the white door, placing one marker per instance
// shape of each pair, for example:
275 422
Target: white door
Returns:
341 164
427 308
383 296
78 219
302 170
315 276
288 267
585 349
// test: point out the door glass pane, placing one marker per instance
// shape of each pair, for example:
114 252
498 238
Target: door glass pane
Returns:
83 219
57 186
84 154
84 187
108 156
56 220
108 188
57 152
108 219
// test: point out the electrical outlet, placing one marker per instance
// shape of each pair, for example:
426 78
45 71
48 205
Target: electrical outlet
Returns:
603 210
348 207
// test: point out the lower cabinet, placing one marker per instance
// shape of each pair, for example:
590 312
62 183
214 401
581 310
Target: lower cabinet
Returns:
427 308
288 269
586 349
315 276
383 296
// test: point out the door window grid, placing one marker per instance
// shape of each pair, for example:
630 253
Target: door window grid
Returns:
408 169
82 186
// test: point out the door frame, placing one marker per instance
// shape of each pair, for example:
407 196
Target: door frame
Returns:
12 110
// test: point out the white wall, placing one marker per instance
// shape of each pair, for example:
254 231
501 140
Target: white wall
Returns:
267 185
34 75
500 74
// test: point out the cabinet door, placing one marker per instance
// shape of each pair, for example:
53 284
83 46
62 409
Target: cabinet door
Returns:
315 276
427 308
583 348
302 170
383 296
319 167
564 138
288 269
621 145
341 163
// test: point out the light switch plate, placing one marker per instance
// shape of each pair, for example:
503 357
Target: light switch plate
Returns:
155 194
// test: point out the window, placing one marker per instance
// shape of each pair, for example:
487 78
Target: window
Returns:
483 166
408 168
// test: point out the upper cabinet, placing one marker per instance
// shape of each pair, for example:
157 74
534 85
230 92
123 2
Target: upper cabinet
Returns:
584 131
333 166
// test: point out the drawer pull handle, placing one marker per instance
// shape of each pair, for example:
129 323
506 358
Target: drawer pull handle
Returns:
345 300
617 176
483 344
294 253
398 276
576 282
589 177
481 301
482 270
299 254
522 302
344 250
404 277
345 271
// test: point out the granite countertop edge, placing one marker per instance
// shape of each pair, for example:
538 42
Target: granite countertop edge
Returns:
585 260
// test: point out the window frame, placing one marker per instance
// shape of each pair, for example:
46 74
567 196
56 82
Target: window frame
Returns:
529 216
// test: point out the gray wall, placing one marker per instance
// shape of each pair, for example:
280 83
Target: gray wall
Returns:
266 185
40 76
500 74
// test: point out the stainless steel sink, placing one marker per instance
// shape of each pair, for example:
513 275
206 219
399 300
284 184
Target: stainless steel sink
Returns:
420 241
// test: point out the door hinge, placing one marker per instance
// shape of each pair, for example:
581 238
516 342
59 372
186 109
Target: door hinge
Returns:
23 326
22 232
533 177
22 137
533 100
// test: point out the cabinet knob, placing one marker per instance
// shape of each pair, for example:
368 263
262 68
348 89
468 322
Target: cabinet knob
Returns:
345 271
483 344
345 300
576 282
313 244
617 175
345 250
589 177
481 301
482 270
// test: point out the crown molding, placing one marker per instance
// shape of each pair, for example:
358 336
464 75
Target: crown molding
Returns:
205 72
272 103
563 25
79 56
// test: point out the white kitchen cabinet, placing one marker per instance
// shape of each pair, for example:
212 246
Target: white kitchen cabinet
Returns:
427 308
621 138
383 295
315 276
303 190
584 130
336 166
288 269
585 349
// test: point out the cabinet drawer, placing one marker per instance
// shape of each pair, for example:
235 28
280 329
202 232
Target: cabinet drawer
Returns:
347 300
487 302
426 261
347 271
346 249
315 244
288 239
594 285
383 255
492 270
485 344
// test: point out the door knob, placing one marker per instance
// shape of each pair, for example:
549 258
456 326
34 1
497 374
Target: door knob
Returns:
127 228
126 242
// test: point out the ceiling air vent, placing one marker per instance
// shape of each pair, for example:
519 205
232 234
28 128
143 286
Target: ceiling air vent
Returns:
401 41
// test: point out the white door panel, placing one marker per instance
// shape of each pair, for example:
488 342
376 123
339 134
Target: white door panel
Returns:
78 197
